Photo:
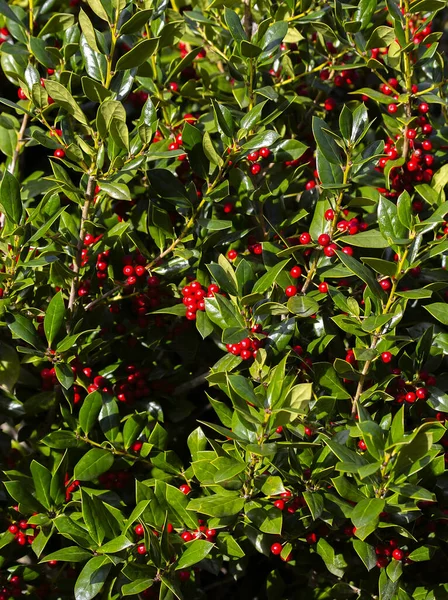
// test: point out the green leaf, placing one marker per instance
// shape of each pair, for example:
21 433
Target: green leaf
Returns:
92 464
223 118
217 505
10 200
365 516
88 30
209 150
303 306
92 518
366 239
137 55
69 554
89 411
234 24
166 185
136 23
118 191
63 98
325 142
269 278
116 545
362 272
24 329
196 551
9 367
381 37
439 310
390 225
366 553
42 481
92 578
54 318
422 553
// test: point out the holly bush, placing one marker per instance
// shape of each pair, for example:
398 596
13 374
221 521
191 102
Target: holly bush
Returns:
223 299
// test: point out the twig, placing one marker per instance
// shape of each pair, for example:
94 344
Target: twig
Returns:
90 193
20 142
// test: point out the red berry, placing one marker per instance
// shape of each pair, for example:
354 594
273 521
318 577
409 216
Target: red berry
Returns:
280 504
305 238
59 153
232 254
422 393
412 165
184 575
276 548
246 354
141 549
290 291
382 562
311 538
330 250
362 445
310 185
329 214
185 489
427 129
139 529
392 108
13 529
423 108
296 272
411 134
255 169
330 104
21 94
398 554
323 287
410 397
324 239
186 536
253 156
386 357
173 87
265 152
385 284
347 250
427 146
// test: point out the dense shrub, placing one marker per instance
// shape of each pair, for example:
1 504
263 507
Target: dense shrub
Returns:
223 312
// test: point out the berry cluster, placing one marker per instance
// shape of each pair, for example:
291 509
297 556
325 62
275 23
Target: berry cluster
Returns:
24 532
248 347
194 297
253 158
134 268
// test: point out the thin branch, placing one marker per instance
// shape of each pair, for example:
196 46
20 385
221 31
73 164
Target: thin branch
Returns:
20 142
90 193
